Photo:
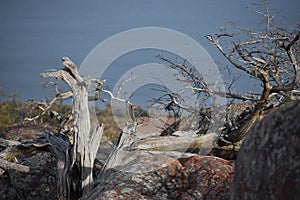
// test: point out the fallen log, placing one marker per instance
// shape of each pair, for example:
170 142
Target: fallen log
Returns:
10 165
179 141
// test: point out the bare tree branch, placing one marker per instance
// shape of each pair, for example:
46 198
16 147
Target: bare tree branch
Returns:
227 94
296 81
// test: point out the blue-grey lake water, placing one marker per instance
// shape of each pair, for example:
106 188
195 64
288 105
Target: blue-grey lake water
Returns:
35 34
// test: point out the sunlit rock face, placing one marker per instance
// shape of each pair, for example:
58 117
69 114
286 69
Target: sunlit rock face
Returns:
163 177
268 164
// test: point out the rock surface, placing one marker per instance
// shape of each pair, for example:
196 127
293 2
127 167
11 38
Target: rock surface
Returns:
40 181
162 177
268 164
140 175
208 178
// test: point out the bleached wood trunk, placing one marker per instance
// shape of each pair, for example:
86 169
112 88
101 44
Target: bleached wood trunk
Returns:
82 135
86 139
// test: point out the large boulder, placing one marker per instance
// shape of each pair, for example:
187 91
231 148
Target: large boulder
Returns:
208 178
268 164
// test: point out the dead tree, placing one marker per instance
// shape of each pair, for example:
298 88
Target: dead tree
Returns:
86 138
270 55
